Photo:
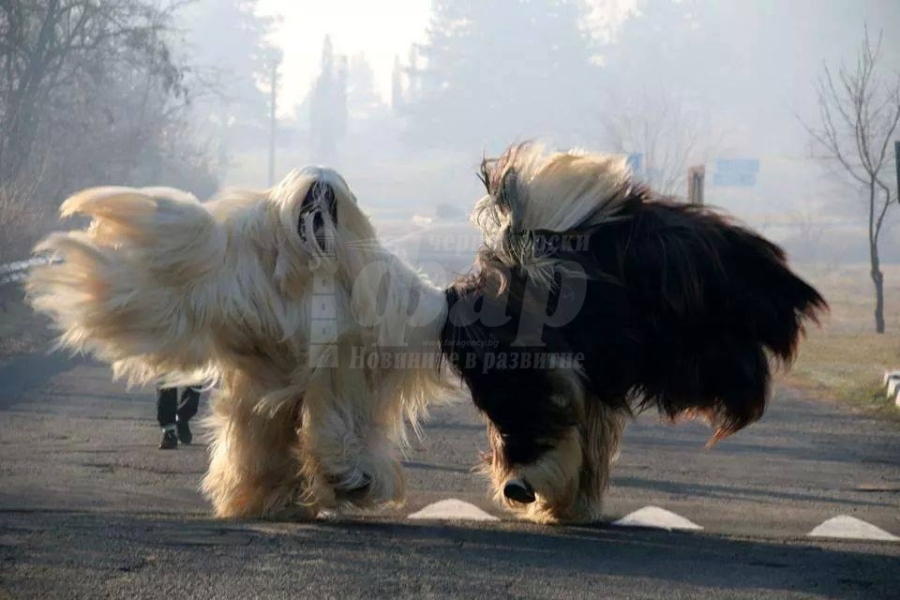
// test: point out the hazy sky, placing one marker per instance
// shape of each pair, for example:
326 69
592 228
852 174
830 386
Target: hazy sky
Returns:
380 28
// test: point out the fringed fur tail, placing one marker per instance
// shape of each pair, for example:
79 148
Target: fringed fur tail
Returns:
720 306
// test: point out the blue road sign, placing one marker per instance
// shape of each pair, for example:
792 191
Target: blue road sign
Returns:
739 172
636 163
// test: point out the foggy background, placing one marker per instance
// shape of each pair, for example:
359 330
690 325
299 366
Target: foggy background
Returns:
404 97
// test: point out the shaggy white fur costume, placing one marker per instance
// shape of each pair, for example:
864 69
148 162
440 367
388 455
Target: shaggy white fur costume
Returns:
284 299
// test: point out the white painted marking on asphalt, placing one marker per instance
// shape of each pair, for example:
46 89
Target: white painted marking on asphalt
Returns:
659 518
453 510
852 528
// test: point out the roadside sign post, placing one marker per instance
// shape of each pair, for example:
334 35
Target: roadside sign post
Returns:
696 177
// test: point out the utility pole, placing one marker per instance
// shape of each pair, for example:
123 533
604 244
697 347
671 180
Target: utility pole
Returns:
273 123
696 176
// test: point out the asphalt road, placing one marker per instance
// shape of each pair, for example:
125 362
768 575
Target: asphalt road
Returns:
89 508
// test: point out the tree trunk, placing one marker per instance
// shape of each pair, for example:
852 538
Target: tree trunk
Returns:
878 280
26 99
874 260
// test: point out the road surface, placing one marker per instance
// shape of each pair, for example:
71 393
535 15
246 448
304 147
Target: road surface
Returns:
89 508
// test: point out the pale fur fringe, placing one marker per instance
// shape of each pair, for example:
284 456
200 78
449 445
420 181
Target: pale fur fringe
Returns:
168 289
557 191
553 191
136 288
569 480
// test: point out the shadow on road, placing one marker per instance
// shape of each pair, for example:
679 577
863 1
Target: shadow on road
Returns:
732 491
365 559
29 371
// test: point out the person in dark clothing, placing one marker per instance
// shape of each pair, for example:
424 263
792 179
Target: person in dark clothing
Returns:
173 415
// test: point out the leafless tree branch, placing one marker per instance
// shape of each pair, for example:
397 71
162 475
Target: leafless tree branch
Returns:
859 114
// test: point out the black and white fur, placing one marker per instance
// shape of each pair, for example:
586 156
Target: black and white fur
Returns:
593 298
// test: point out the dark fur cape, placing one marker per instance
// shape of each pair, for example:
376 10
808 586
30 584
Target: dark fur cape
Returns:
683 310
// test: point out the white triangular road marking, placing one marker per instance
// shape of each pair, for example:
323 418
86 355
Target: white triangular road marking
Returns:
851 528
453 510
659 518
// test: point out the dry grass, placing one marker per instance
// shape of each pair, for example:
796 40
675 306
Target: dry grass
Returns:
25 217
23 220
21 330
845 360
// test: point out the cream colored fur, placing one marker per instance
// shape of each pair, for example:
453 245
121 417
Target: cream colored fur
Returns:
553 191
166 288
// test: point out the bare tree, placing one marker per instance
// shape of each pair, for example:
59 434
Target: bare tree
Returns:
91 92
51 47
664 130
859 110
